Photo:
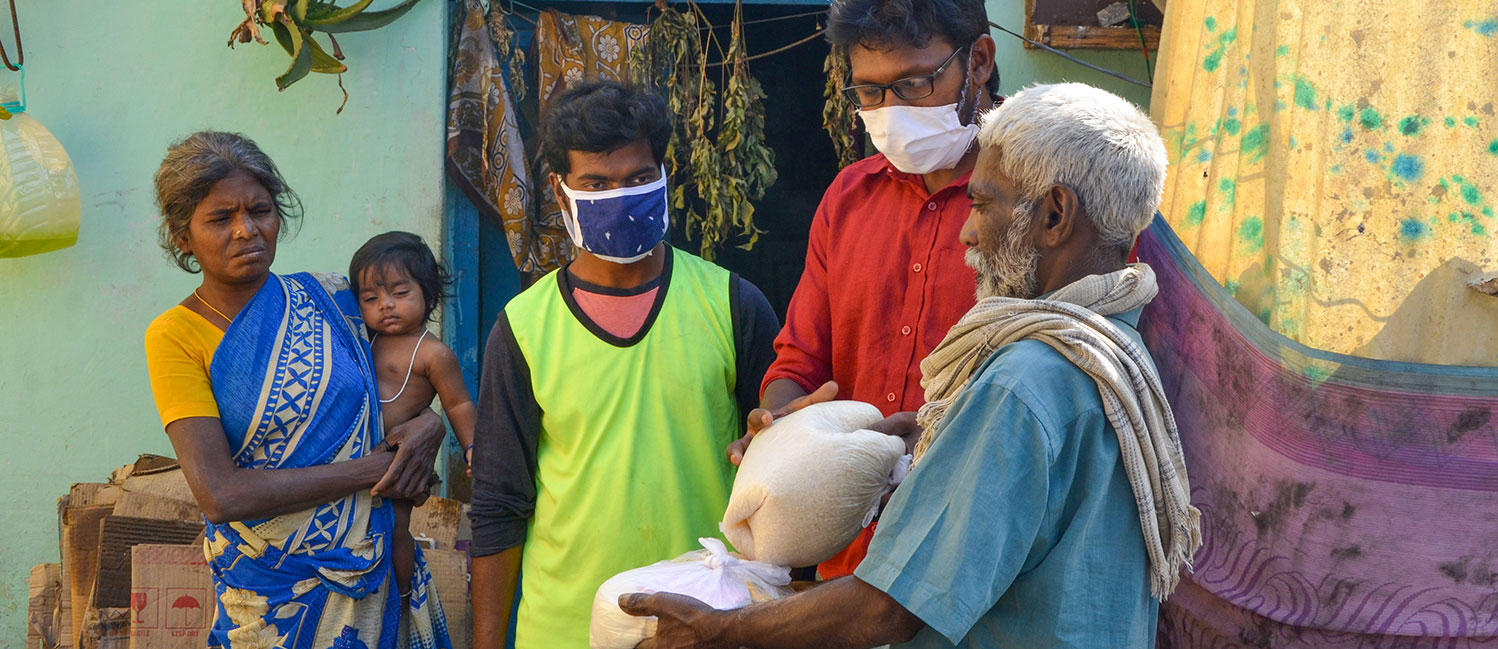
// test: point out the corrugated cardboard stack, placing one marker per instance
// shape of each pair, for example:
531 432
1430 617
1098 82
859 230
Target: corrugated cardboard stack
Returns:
133 574
84 602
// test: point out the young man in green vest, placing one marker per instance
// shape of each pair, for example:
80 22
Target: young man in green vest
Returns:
609 388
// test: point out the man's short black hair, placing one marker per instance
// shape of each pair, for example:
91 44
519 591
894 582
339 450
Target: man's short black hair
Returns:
888 24
407 252
603 116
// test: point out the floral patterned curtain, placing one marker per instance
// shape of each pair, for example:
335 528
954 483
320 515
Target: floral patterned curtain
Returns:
486 155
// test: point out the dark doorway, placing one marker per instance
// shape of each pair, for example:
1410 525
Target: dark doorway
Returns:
804 157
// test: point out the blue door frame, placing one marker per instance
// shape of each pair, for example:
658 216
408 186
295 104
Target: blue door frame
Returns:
484 279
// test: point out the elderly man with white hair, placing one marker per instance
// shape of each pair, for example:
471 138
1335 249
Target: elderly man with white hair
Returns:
1048 506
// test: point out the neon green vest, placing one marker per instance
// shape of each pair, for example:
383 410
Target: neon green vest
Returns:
630 462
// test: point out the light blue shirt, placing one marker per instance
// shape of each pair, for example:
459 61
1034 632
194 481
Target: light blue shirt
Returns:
1018 528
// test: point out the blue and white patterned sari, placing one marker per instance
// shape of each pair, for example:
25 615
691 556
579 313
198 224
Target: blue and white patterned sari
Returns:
295 388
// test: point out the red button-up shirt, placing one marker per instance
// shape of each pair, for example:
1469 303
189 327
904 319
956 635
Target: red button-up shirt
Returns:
884 280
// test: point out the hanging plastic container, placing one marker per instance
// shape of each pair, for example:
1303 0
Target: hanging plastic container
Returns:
40 208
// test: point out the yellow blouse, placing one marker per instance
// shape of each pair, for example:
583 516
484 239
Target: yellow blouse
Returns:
179 349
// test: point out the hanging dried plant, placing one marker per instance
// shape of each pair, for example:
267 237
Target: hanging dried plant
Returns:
747 163
668 63
837 113
717 158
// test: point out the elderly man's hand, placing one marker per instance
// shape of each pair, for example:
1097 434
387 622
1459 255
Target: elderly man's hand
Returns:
683 622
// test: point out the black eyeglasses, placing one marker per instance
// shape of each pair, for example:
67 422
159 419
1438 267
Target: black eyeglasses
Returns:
869 95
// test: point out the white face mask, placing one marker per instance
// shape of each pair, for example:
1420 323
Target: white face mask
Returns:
922 139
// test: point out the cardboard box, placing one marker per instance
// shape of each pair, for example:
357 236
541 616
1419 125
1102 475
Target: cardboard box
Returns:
117 536
449 570
438 520
65 632
145 505
465 526
88 494
80 514
105 628
44 607
170 484
80 560
171 598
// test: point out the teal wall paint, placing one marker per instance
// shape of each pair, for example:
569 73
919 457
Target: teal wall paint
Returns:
116 82
1020 67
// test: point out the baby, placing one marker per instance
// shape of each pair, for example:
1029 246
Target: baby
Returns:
398 284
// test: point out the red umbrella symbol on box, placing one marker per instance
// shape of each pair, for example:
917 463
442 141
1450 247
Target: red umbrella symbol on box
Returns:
186 610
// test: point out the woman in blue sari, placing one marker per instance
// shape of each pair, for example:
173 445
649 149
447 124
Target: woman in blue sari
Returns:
265 387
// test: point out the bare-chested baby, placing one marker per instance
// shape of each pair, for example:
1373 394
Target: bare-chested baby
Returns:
399 283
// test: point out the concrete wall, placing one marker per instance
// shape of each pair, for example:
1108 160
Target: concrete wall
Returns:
116 82
1020 67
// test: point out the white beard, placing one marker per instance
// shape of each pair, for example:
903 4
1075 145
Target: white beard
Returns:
1011 270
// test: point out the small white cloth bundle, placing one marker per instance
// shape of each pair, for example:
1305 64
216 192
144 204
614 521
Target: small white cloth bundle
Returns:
721 580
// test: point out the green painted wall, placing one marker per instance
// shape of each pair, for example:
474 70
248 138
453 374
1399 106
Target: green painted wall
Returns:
1020 67
116 82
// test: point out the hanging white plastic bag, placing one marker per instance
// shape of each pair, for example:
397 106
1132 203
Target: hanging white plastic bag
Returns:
809 483
40 208
721 580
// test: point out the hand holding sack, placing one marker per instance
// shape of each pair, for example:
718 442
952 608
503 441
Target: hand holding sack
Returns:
809 483
721 580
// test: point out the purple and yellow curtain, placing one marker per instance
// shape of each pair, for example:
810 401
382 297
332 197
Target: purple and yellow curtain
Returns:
1346 502
1330 197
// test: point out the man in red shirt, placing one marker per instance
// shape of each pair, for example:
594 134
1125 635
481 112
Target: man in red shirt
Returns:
885 276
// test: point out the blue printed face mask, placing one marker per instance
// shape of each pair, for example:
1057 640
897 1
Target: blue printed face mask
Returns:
618 225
